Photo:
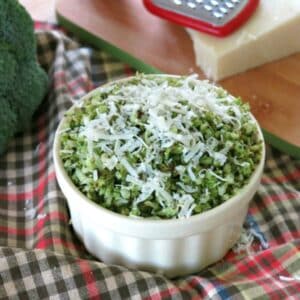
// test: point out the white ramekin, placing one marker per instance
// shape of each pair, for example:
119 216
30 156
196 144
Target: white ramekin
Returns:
172 247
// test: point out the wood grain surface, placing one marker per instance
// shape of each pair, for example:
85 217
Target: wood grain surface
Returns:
273 90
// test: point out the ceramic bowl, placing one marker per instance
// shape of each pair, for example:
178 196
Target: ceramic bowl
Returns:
173 247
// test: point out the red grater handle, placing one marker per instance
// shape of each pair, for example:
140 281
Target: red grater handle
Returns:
220 31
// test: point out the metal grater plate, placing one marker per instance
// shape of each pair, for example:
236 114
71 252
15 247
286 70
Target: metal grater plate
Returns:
215 12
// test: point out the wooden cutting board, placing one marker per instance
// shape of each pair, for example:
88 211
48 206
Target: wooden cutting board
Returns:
152 45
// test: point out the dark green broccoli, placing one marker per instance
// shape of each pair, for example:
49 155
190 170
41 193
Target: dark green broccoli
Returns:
23 83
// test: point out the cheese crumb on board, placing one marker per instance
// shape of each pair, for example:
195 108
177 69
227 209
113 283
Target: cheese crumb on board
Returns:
270 34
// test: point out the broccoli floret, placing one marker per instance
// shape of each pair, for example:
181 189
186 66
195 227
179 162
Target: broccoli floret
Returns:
8 67
16 29
8 121
31 90
23 83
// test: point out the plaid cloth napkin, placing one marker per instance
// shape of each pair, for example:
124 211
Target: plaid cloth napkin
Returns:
41 258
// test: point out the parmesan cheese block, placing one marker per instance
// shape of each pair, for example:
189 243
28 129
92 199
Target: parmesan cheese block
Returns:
271 33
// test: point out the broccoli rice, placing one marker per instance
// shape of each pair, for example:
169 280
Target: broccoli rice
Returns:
160 147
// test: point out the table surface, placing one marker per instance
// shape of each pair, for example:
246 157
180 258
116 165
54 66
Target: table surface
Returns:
41 10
